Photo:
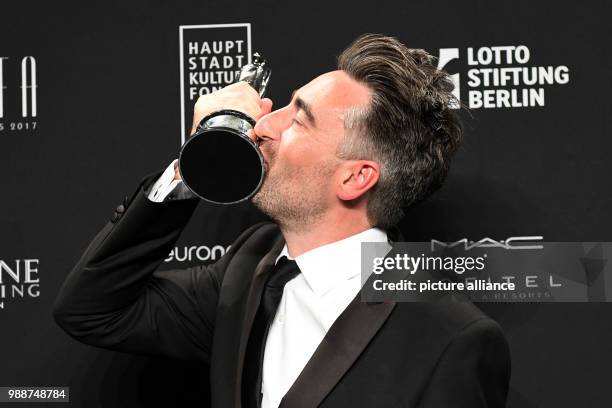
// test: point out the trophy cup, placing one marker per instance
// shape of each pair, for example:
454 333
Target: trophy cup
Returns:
219 163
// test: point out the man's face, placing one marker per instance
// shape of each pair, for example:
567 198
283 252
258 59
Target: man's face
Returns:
299 143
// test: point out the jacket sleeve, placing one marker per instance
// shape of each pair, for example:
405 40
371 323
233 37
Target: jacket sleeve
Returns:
116 299
473 372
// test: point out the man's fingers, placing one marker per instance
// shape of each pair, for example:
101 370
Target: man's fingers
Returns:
238 96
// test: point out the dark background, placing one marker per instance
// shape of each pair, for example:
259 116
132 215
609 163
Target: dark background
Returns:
109 113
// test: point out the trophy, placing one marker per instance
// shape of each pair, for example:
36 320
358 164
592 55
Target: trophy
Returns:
219 163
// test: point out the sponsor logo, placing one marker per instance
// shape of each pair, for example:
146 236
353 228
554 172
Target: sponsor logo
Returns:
210 57
18 279
513 243
529 287
501 76
18 93
200 253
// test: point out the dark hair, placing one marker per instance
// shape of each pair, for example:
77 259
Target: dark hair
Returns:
408 126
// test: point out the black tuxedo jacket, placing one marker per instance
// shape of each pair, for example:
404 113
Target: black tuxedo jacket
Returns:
387 354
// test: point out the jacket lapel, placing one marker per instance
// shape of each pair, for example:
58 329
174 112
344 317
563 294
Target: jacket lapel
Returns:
346 339
253 299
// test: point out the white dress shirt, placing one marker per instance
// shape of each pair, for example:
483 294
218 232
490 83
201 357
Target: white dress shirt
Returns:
311 302
330 278
164 185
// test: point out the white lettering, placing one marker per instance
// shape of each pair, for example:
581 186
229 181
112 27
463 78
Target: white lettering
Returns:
508 54
29 270
28 84
201 253
2 87
506 98
8 270
530 281
217 47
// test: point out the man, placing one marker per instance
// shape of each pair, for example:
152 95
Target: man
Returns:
279 318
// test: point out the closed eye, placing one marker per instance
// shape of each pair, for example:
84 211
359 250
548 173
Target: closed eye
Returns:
260 140
305 107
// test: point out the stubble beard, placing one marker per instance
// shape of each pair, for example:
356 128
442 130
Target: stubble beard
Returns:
293 198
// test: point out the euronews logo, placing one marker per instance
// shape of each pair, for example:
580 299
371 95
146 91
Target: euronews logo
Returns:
202 253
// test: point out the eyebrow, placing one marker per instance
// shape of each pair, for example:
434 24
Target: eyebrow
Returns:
304 106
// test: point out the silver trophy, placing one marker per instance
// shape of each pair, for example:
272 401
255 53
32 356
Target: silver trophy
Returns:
219 163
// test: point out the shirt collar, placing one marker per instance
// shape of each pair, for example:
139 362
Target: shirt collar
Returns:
328 266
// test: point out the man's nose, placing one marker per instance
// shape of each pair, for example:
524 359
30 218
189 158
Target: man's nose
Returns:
267 126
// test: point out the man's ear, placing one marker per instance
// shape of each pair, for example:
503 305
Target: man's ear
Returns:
358 177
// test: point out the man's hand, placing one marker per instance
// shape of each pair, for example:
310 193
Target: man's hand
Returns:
239 96
177 173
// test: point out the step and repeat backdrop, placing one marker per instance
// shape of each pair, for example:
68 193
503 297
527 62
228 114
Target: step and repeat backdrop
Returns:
96 95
